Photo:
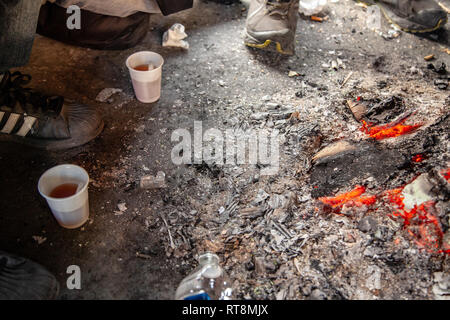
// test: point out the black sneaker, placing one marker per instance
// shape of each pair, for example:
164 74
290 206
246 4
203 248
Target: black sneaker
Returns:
415 16
41 121
23 279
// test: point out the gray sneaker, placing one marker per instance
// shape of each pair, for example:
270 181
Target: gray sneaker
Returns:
272 22
41 121
415 16
23 279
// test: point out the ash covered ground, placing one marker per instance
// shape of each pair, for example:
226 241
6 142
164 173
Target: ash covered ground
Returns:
275 238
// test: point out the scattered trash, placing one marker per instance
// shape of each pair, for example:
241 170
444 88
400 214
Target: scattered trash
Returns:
122 208
443 76
442 70
174 36
429 57
377 111
40 240
153 182
334 65
311 7
393 32
106 94
442 84
207 282
317 19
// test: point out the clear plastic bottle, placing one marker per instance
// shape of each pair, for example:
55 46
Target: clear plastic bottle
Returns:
311 7
207 282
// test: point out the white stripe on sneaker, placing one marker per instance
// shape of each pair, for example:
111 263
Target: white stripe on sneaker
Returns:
11 123
28 123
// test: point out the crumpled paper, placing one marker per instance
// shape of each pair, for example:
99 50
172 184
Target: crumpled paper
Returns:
174 36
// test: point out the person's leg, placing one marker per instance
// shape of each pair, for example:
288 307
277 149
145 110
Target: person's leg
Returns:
97 30
23 279
120 25
125 8
28 116
43 121
171 6
18 21
115 8
272 22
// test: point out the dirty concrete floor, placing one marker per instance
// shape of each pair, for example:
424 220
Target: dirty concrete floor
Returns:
218 81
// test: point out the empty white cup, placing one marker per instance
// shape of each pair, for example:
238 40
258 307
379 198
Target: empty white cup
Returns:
146 84
71 212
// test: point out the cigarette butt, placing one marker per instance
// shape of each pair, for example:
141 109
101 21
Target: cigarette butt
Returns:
429 57
316 18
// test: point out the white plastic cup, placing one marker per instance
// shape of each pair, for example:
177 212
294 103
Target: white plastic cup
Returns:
146 84
71 212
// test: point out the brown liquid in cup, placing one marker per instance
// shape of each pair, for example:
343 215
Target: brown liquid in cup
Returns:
64 190
142 67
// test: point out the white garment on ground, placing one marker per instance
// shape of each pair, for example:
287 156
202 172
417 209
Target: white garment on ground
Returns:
117 8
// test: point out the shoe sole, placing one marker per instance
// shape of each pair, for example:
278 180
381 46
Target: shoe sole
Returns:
440 23
254 43
53 145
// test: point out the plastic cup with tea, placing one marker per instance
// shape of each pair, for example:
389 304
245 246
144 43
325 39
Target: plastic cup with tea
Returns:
146 70
65 187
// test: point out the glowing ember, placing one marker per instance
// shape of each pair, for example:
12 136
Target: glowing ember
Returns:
446 174
389 130
352 198
418 158
422 224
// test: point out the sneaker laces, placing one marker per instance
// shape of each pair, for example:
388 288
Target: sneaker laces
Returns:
26 100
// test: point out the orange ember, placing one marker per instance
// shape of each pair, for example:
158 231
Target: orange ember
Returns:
389 130
351 198
422 224
446 174
418 158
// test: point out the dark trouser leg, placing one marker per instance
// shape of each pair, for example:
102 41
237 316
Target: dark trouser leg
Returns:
18 21
171 6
